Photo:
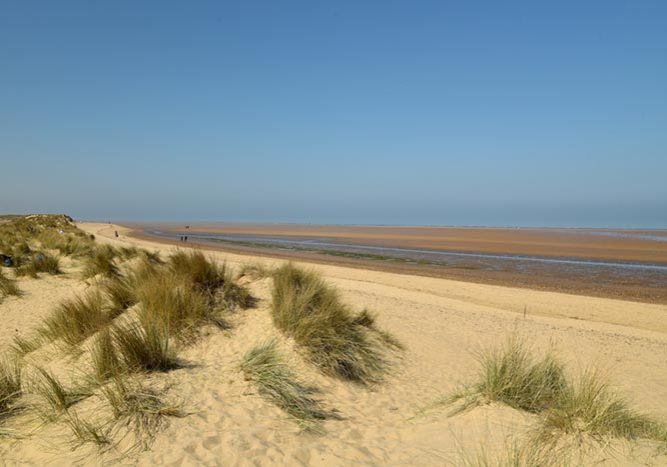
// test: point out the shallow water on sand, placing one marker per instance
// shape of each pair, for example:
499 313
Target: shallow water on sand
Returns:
604 272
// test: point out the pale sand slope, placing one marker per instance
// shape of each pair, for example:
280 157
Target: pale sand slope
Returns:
441 323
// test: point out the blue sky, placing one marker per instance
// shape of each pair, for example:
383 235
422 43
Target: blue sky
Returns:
474 113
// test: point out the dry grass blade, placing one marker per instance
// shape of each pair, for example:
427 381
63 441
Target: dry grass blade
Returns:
276 381
56 396
86 432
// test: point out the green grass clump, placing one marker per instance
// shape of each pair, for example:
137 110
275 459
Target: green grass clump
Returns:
590 407
140 407
76 319
56 396
275 380
145 346
10 385
511 375
336 340
8 286
101 261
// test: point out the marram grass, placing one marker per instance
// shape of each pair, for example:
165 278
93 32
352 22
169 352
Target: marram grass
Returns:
274 379
332 337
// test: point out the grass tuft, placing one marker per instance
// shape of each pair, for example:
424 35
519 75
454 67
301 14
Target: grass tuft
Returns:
591 407
101 261
275 380
170 299
105 360
40 262
254 271
8 286
204 273
142 408
334 339
511 375
120 291
22 346
145 346
76 319
10 385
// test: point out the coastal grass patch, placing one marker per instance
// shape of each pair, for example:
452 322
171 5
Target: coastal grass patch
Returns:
254 270
8 286
205 274
75 319
210 278
170 299
120 292
584 409
10 385
510 374
276 381
514 454
22 346
333 338
101 261
39 262
142 408
105 360
144 346
590 407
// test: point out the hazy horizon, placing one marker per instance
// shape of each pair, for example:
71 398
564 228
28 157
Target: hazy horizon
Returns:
397 113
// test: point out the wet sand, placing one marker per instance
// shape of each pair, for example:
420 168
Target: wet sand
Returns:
625 264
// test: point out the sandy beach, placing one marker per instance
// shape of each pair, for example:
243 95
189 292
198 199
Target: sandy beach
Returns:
442 324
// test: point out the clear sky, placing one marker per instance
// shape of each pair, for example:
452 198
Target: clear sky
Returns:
413 112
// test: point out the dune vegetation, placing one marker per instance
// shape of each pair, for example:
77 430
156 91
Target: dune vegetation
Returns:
137 313
334 338
582 410
276 381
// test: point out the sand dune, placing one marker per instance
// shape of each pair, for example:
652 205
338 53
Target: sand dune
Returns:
441 323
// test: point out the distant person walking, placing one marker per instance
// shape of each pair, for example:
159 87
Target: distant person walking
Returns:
115 232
